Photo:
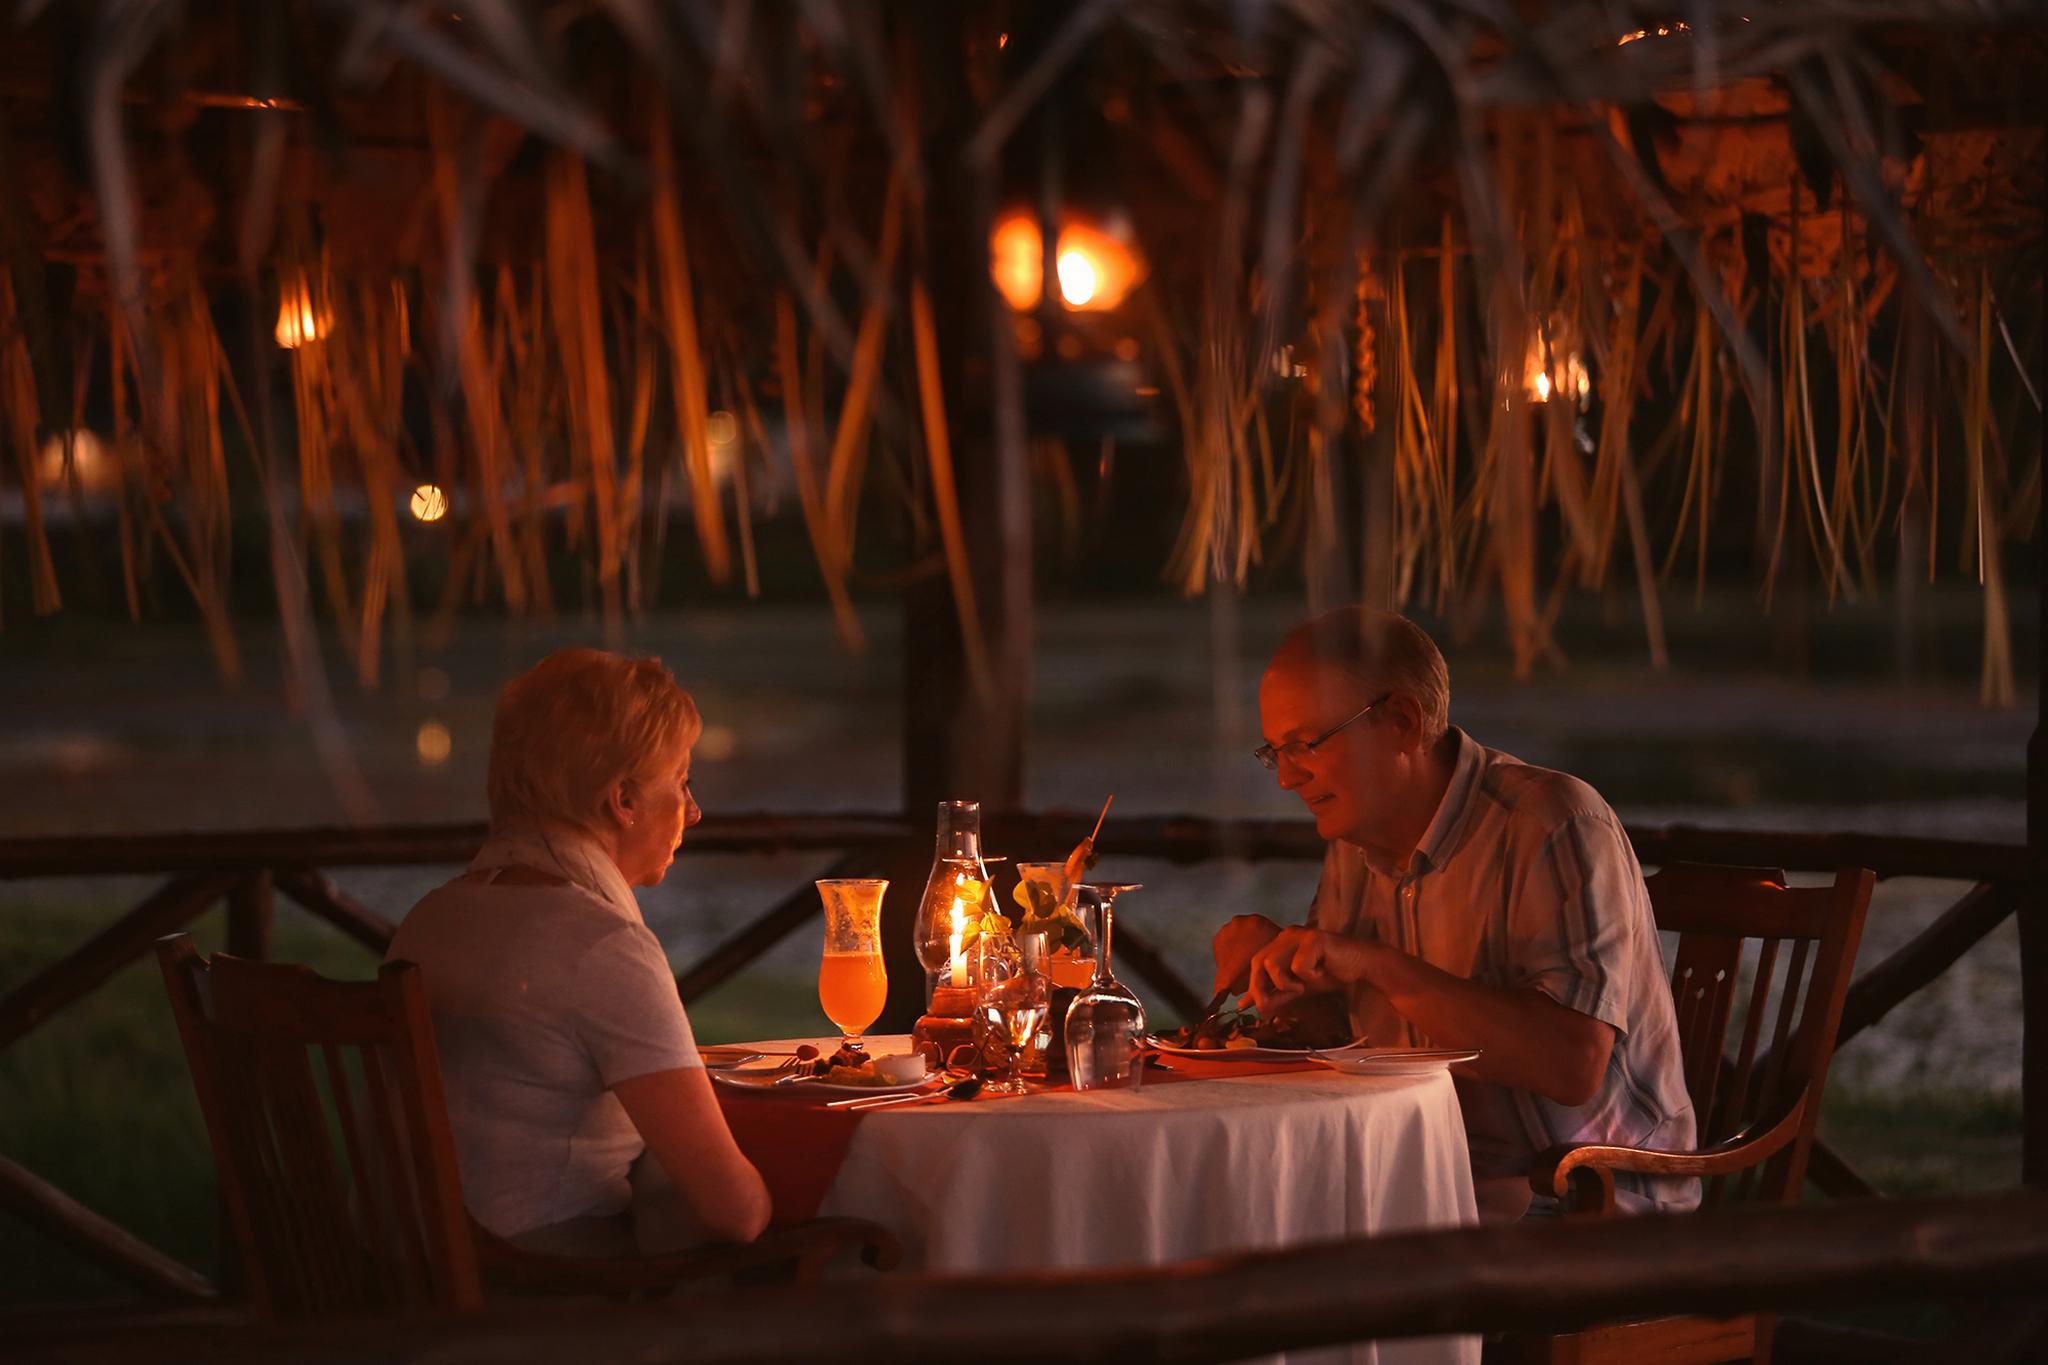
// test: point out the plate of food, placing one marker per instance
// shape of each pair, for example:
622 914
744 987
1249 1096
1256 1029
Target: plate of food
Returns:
1362 1060
843 1073
1244 1036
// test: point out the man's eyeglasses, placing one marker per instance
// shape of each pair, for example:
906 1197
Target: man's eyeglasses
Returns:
1294 751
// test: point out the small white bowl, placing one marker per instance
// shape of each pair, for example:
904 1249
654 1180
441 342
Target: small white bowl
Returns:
903 1068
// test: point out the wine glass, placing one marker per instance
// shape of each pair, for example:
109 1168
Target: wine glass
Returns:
1011 1002
852 985
1106 1023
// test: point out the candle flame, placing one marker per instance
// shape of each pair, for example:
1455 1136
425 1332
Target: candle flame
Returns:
955 958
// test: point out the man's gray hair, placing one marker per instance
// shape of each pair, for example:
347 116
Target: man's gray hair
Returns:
1384 652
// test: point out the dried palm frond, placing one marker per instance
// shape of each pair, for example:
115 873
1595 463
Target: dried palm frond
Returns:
1596 193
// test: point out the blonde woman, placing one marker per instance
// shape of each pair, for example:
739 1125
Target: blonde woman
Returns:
568 1059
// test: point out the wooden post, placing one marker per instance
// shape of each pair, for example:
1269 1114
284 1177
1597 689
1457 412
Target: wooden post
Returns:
959 743
2033 912
251 910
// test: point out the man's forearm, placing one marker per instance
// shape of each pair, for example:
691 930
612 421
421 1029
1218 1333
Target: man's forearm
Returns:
1526 1040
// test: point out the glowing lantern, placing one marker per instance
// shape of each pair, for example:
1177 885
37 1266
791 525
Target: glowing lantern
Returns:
429 503
301 318
1097 269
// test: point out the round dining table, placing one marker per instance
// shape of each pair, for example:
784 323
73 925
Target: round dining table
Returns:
1218 1158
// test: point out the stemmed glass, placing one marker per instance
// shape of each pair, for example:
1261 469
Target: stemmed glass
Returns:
1106 1022
852 985
1013 995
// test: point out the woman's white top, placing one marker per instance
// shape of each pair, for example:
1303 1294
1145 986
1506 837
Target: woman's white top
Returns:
544 998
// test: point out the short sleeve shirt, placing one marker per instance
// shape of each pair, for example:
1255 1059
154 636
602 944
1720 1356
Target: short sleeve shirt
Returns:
1525 880
544 998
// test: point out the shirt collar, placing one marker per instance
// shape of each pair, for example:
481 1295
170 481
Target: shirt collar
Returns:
1442 833
569 854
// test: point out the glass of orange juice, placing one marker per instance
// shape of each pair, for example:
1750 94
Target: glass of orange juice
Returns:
851 982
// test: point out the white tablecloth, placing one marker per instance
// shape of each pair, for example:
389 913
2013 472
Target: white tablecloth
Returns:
1167 1172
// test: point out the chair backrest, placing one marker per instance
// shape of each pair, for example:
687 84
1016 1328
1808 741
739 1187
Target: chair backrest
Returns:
324 1104
1807 941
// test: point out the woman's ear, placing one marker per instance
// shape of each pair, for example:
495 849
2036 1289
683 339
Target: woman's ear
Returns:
622 803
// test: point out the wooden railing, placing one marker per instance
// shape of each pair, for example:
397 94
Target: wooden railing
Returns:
1986 1252
245 871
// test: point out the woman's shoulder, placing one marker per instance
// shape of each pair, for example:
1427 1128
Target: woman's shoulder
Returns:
558 922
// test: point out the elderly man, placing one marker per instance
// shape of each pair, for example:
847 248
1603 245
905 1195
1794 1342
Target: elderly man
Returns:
1467 900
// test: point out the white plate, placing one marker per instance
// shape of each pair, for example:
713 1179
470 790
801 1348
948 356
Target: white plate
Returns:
764 1078
1236 1054
1359 1060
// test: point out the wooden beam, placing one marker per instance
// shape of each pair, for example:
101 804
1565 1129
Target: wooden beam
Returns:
168 909
1927 955
105 1244
394 845
1835 1177
1175 838
1887 856
2034 909
252 910
1556 1275
318 895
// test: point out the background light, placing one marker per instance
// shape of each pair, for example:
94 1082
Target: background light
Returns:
1078 278
429 503
433 744
1097 267
300 317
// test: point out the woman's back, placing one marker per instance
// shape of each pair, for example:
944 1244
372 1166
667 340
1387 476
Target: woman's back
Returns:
544 998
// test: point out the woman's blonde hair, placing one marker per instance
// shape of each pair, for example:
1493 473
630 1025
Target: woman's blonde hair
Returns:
576 724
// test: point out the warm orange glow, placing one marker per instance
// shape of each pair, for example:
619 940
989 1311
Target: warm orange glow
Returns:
433 744
1097 268
89 462
429 503
300 317
1017 260
1545 374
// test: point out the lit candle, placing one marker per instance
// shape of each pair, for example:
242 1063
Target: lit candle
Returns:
959 958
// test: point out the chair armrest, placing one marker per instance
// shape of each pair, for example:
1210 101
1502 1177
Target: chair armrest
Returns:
804 1248
1583 1176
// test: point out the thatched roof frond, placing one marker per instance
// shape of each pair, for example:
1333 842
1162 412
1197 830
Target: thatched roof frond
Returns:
566 261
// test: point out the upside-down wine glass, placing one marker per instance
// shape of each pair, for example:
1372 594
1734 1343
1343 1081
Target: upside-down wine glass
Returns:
1106 1022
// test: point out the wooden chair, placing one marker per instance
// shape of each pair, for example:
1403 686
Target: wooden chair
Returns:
1757 1109
324 1105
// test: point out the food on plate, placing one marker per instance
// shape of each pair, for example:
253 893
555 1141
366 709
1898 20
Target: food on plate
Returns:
1289 1028
847 1067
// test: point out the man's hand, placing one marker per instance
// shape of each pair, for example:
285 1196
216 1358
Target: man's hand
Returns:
1235 945
1299 961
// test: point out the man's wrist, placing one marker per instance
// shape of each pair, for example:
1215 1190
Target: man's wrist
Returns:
1357 959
